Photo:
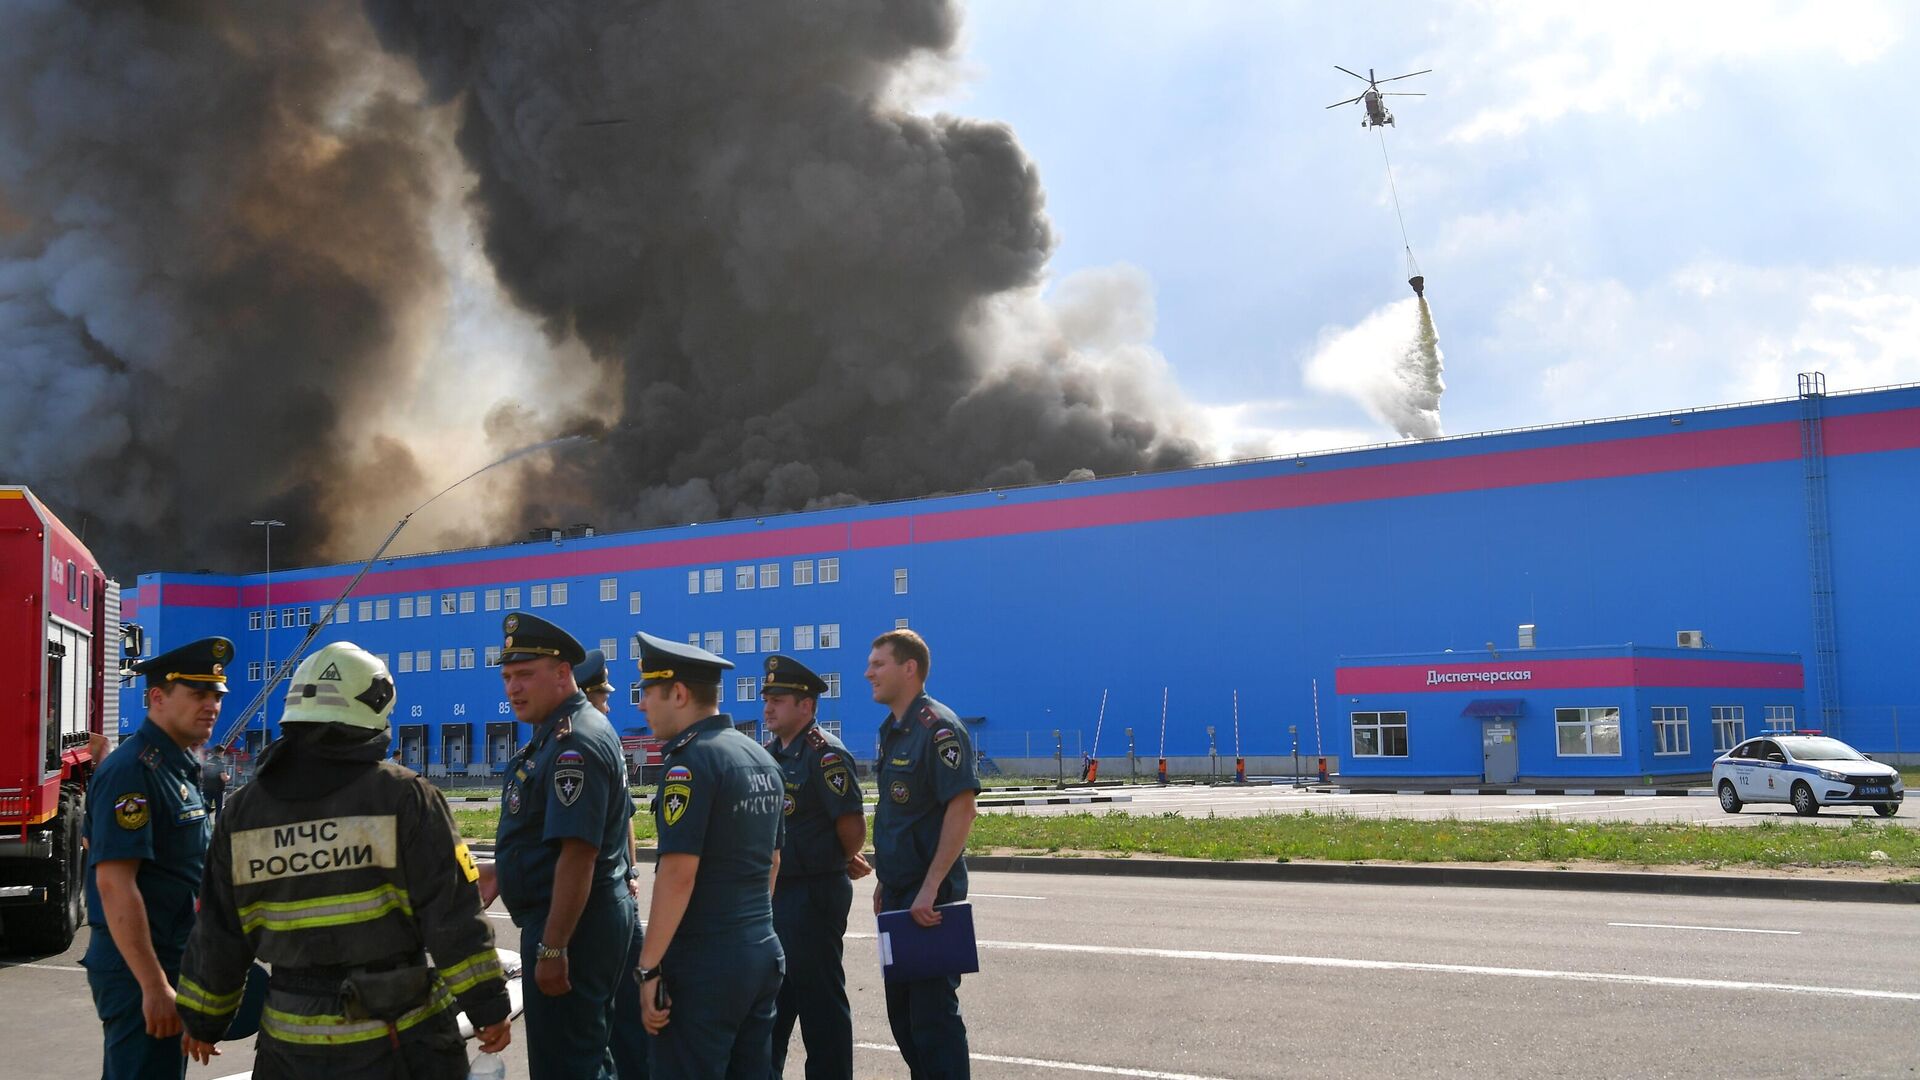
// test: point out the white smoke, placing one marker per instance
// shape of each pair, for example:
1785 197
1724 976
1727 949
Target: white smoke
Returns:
1390 363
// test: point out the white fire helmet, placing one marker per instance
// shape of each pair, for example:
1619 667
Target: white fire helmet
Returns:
342 683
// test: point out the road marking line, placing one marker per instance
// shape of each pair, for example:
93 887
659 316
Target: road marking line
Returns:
1002 896
43 967
1452 969
1720 929
1070 1066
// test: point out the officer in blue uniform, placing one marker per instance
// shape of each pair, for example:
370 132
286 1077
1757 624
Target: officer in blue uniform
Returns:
927 787
711 966
629 1041
147 831
826 827
562 853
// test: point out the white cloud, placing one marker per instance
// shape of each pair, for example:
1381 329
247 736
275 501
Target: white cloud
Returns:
1390 363
1641 58
1709 332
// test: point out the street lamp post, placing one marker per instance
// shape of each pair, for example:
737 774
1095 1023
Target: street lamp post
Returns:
267 619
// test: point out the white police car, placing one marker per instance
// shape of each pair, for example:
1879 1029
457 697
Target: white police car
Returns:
1808 771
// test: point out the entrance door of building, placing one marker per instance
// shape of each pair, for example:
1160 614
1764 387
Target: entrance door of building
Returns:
1499 750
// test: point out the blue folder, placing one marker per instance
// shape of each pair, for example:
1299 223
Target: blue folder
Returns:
910 951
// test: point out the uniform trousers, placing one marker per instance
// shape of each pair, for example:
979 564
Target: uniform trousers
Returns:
810 915
568 1036
925 1013
629 1033
131 1054
722 995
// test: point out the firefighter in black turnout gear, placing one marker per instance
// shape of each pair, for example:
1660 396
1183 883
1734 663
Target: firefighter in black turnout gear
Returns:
343 871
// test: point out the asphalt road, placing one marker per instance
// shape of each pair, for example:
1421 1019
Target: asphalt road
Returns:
1178 979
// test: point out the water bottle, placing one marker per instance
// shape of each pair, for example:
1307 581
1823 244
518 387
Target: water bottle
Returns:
488 1067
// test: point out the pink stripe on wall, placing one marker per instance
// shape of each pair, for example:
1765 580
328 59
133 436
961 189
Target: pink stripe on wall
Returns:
1597 672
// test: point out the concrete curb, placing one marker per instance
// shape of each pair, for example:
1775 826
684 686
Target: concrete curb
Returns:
1052 800
1486 877
1663 792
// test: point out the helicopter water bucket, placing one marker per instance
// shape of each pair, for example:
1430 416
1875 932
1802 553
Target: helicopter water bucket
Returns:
1419 284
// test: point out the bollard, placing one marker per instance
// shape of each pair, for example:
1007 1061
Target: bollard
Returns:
1163 770
1323 770
1239 770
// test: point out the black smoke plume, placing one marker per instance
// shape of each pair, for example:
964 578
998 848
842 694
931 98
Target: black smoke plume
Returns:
798 293
211 239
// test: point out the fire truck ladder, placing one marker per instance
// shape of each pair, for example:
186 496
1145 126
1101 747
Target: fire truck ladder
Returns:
1813 460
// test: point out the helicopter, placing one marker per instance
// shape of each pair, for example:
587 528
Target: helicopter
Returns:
1377 113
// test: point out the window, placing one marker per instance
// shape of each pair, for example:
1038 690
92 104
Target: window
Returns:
382 609
830 635
559 593
493 656
366 610
743 577
610 647
448 659
694 640
899 624
803 572
1670 730
829 571
900 580
744 689
466 659
306 616
423 606
382 656
633 603
493 600
73 584
537 596
1729 726
342 614
1588 732
273 618
770 639
832 679
253 620
716 641
1379 734
286 616
466 602
253 671
423 660
511 597
609 589
720 692
743 641
633 647
633 693
693 582
802 638
406 663
770 575
713 579
406 607
450 603
1779 719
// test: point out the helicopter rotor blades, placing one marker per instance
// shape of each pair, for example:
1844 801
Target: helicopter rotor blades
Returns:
1355 74
1400 93
1349 101
1408 75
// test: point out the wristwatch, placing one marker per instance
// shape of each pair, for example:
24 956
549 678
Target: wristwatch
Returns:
645 973
550 953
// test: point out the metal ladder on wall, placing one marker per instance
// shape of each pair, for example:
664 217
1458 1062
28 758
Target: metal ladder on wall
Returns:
1813 460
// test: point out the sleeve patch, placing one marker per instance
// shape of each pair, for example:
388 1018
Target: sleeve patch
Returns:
569 757
829 759
837 779
679 772
676 798
943 734
465 859
130 811
568 784
950 754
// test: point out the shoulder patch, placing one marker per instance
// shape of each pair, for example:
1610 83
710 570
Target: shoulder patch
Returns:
130 810
950 754
563 727
837 779
829 759
679 772
943 733
150 757
569 757
927 716
817 738
568 784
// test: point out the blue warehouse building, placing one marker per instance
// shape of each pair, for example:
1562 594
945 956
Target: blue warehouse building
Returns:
1237 606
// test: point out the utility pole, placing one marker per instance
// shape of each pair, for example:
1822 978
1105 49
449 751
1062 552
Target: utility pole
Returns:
268 617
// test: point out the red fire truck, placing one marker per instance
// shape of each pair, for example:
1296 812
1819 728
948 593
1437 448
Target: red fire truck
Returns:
60 650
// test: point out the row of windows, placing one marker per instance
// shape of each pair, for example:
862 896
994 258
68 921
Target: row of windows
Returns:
747 688
766 639
760 576
1588 732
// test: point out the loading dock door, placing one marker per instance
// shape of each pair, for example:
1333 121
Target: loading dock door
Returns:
453 748
499 745
1499 749
413 746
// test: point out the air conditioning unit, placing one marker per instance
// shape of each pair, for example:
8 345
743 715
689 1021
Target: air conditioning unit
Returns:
1526 635
1690 639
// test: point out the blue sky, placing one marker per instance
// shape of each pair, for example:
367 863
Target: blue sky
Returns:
1618 208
